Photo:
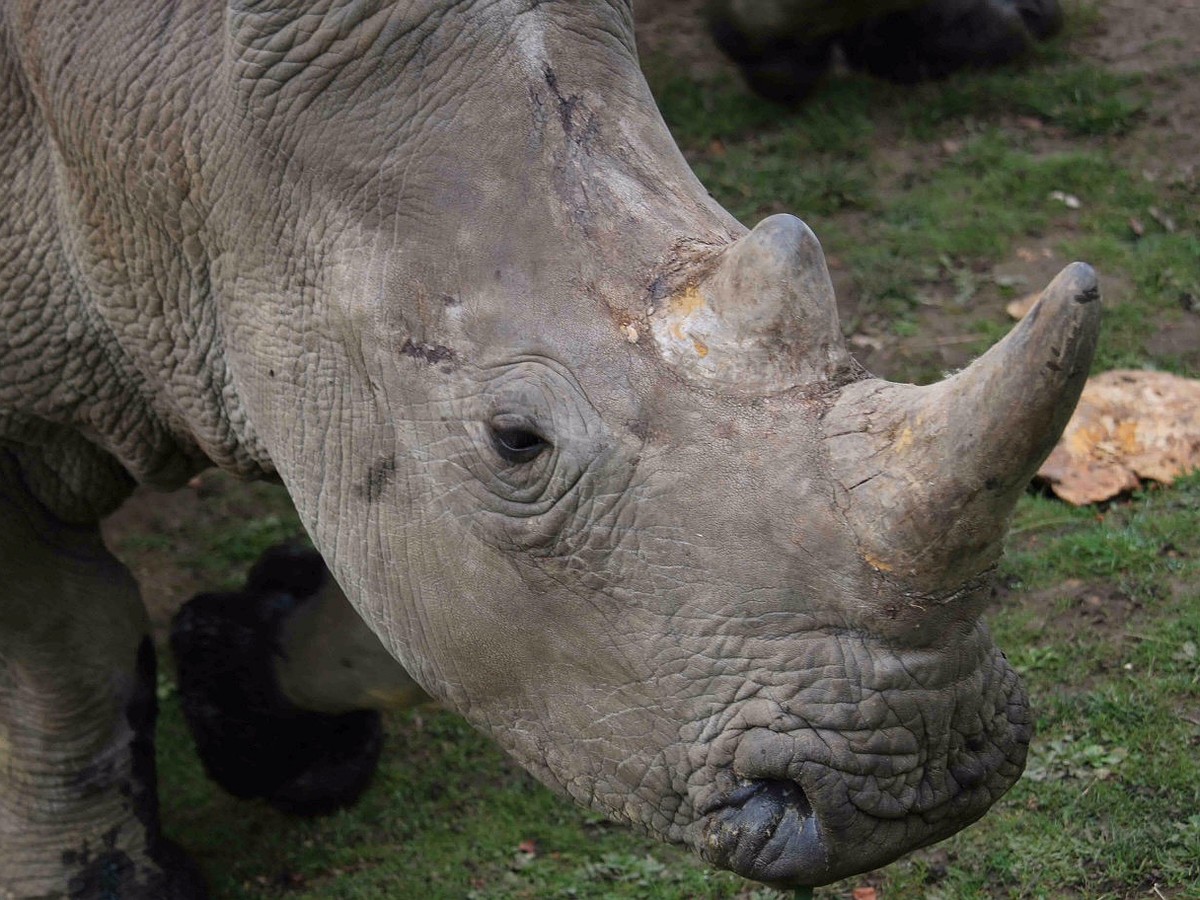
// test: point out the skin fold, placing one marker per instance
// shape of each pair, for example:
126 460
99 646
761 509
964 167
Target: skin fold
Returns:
588 457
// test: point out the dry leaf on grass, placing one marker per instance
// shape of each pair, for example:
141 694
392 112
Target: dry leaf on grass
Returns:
1129 426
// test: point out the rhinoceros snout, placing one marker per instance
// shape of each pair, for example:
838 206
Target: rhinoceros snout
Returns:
865 776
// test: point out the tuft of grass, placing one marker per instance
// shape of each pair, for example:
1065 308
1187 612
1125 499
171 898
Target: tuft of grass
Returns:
1082 99
1142 544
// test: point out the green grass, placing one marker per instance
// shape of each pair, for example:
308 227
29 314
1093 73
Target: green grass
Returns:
448 816
919 193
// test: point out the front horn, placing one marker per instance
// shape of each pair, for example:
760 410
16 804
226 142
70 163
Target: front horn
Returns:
931 474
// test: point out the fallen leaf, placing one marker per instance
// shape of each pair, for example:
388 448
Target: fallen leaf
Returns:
1019 309
1129 426
528 846
865 893
1136 226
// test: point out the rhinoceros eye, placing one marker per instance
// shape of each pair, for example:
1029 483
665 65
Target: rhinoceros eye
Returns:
517 444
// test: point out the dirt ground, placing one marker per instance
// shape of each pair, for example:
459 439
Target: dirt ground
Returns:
1147 36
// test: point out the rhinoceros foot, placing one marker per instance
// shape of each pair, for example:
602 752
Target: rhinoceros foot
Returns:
252 739
112 873
781 68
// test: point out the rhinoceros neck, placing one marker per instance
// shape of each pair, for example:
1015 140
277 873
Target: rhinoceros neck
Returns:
110 338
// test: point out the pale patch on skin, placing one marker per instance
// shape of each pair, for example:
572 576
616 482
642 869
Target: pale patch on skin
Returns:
684 329
876 563
762 320
531 44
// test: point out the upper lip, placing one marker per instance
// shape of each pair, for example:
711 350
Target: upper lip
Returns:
766 829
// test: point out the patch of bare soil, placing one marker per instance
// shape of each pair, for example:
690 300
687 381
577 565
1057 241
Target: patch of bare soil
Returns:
1073 605
161 537
676 29
1161 40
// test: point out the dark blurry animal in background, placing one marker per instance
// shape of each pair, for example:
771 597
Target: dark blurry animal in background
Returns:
784 47
262 717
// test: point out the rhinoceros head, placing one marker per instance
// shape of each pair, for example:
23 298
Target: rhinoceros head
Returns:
593 460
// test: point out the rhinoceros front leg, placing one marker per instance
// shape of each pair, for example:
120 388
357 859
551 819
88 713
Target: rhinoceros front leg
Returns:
281 684
78 801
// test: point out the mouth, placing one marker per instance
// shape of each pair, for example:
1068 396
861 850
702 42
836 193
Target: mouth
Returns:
799 801
766 830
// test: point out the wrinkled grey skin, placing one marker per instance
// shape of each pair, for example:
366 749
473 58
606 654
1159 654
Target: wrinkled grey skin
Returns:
732 597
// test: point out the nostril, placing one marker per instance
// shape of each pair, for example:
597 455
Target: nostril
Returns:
762 802
741 794
789 795
762 794
771 835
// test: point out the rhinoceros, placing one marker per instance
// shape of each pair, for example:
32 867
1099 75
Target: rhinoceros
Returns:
783 47
589 457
